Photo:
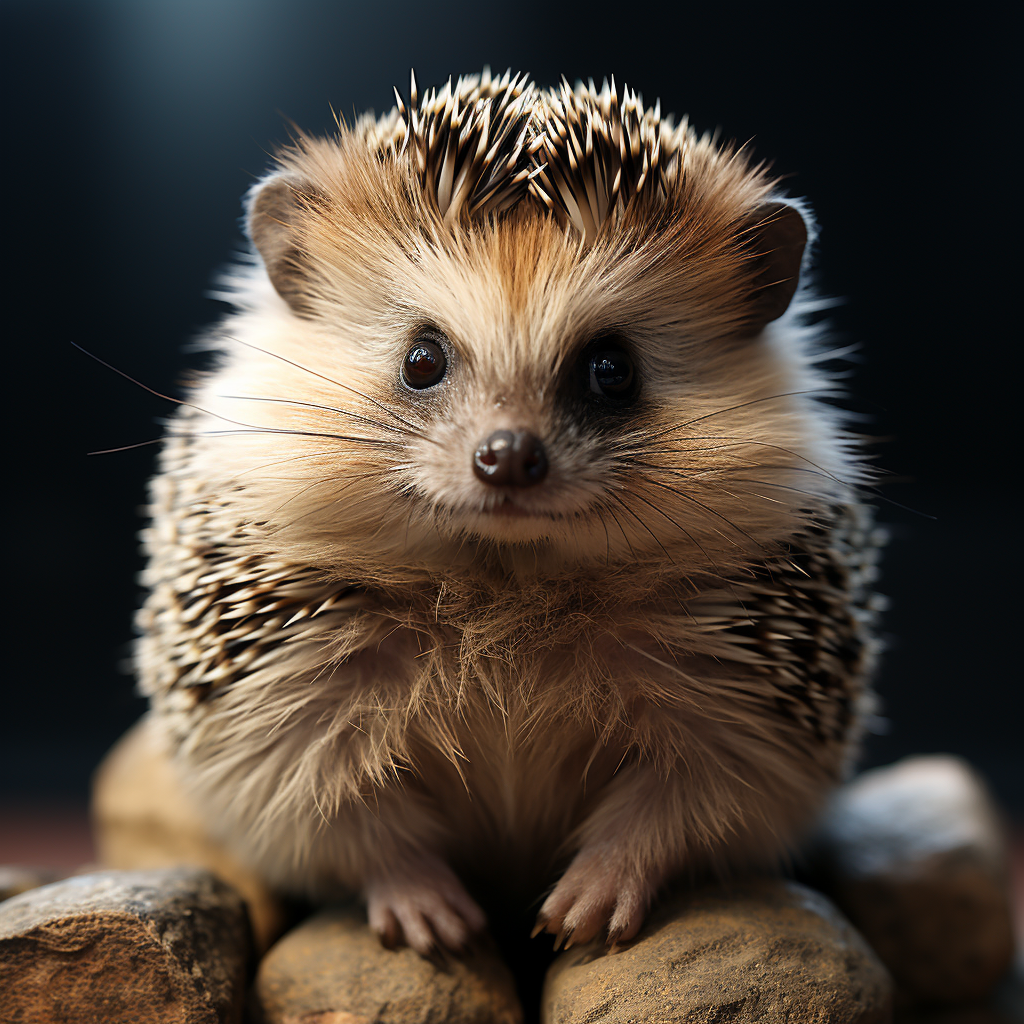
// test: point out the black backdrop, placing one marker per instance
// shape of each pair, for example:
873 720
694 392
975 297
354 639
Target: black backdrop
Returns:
132 129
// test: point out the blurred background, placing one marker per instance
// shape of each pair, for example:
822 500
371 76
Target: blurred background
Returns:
134 127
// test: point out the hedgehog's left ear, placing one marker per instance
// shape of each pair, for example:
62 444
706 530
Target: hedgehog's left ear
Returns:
776 236
274 212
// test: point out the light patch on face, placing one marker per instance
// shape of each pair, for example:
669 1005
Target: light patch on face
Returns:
442 474
516 306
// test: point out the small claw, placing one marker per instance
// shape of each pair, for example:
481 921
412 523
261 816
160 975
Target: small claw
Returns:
437 956
539 927
562 935
388 930
431 914
616 942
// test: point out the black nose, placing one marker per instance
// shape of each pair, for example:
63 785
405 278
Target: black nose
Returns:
511 459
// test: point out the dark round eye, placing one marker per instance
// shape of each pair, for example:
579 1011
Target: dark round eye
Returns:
611 373
424 364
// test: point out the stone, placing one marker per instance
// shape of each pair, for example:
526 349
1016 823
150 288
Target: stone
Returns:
15 878
143 818
143 946
332 969
914 854
761 951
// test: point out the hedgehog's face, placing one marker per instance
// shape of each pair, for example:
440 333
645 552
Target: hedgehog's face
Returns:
539 446
434 389
560 399
525 395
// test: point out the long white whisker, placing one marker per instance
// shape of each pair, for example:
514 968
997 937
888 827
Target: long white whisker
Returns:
324 408
337 384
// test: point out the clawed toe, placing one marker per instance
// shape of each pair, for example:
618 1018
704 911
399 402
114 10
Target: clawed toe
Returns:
592 899
432 913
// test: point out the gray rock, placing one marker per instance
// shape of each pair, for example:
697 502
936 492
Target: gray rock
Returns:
332 969
915 856
764 951
15 879
139 946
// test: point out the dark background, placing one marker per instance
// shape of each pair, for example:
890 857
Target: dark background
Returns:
133 128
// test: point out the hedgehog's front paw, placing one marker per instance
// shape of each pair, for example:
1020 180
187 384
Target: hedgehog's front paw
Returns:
425 906
598 892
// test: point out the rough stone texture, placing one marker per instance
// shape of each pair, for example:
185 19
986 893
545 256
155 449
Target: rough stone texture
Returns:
914 854
143 819
764 951
333 970
143 946
15 878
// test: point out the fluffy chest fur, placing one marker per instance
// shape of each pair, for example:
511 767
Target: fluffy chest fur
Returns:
503 698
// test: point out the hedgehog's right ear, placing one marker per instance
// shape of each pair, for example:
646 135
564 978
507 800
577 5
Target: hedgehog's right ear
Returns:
775 237
273 221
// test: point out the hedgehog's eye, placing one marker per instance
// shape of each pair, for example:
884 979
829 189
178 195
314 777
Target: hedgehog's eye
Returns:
610 369
424 363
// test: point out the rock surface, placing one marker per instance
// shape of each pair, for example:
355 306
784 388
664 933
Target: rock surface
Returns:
15 879
142 818
764 951
333 970
915 856
142 946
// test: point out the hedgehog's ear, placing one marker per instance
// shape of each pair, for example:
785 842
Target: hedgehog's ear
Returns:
777 236
274 211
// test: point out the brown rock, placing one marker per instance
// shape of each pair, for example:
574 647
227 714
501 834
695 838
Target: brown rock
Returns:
142 946
142 818
333 970
15 879
915 856
764 951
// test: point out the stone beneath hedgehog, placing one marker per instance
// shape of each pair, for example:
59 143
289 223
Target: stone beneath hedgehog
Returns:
511 541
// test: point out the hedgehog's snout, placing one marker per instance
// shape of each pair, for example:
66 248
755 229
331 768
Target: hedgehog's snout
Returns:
511 458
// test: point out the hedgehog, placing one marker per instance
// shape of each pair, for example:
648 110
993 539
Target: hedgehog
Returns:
513 540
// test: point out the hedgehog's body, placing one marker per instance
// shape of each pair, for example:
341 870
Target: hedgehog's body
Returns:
509 533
